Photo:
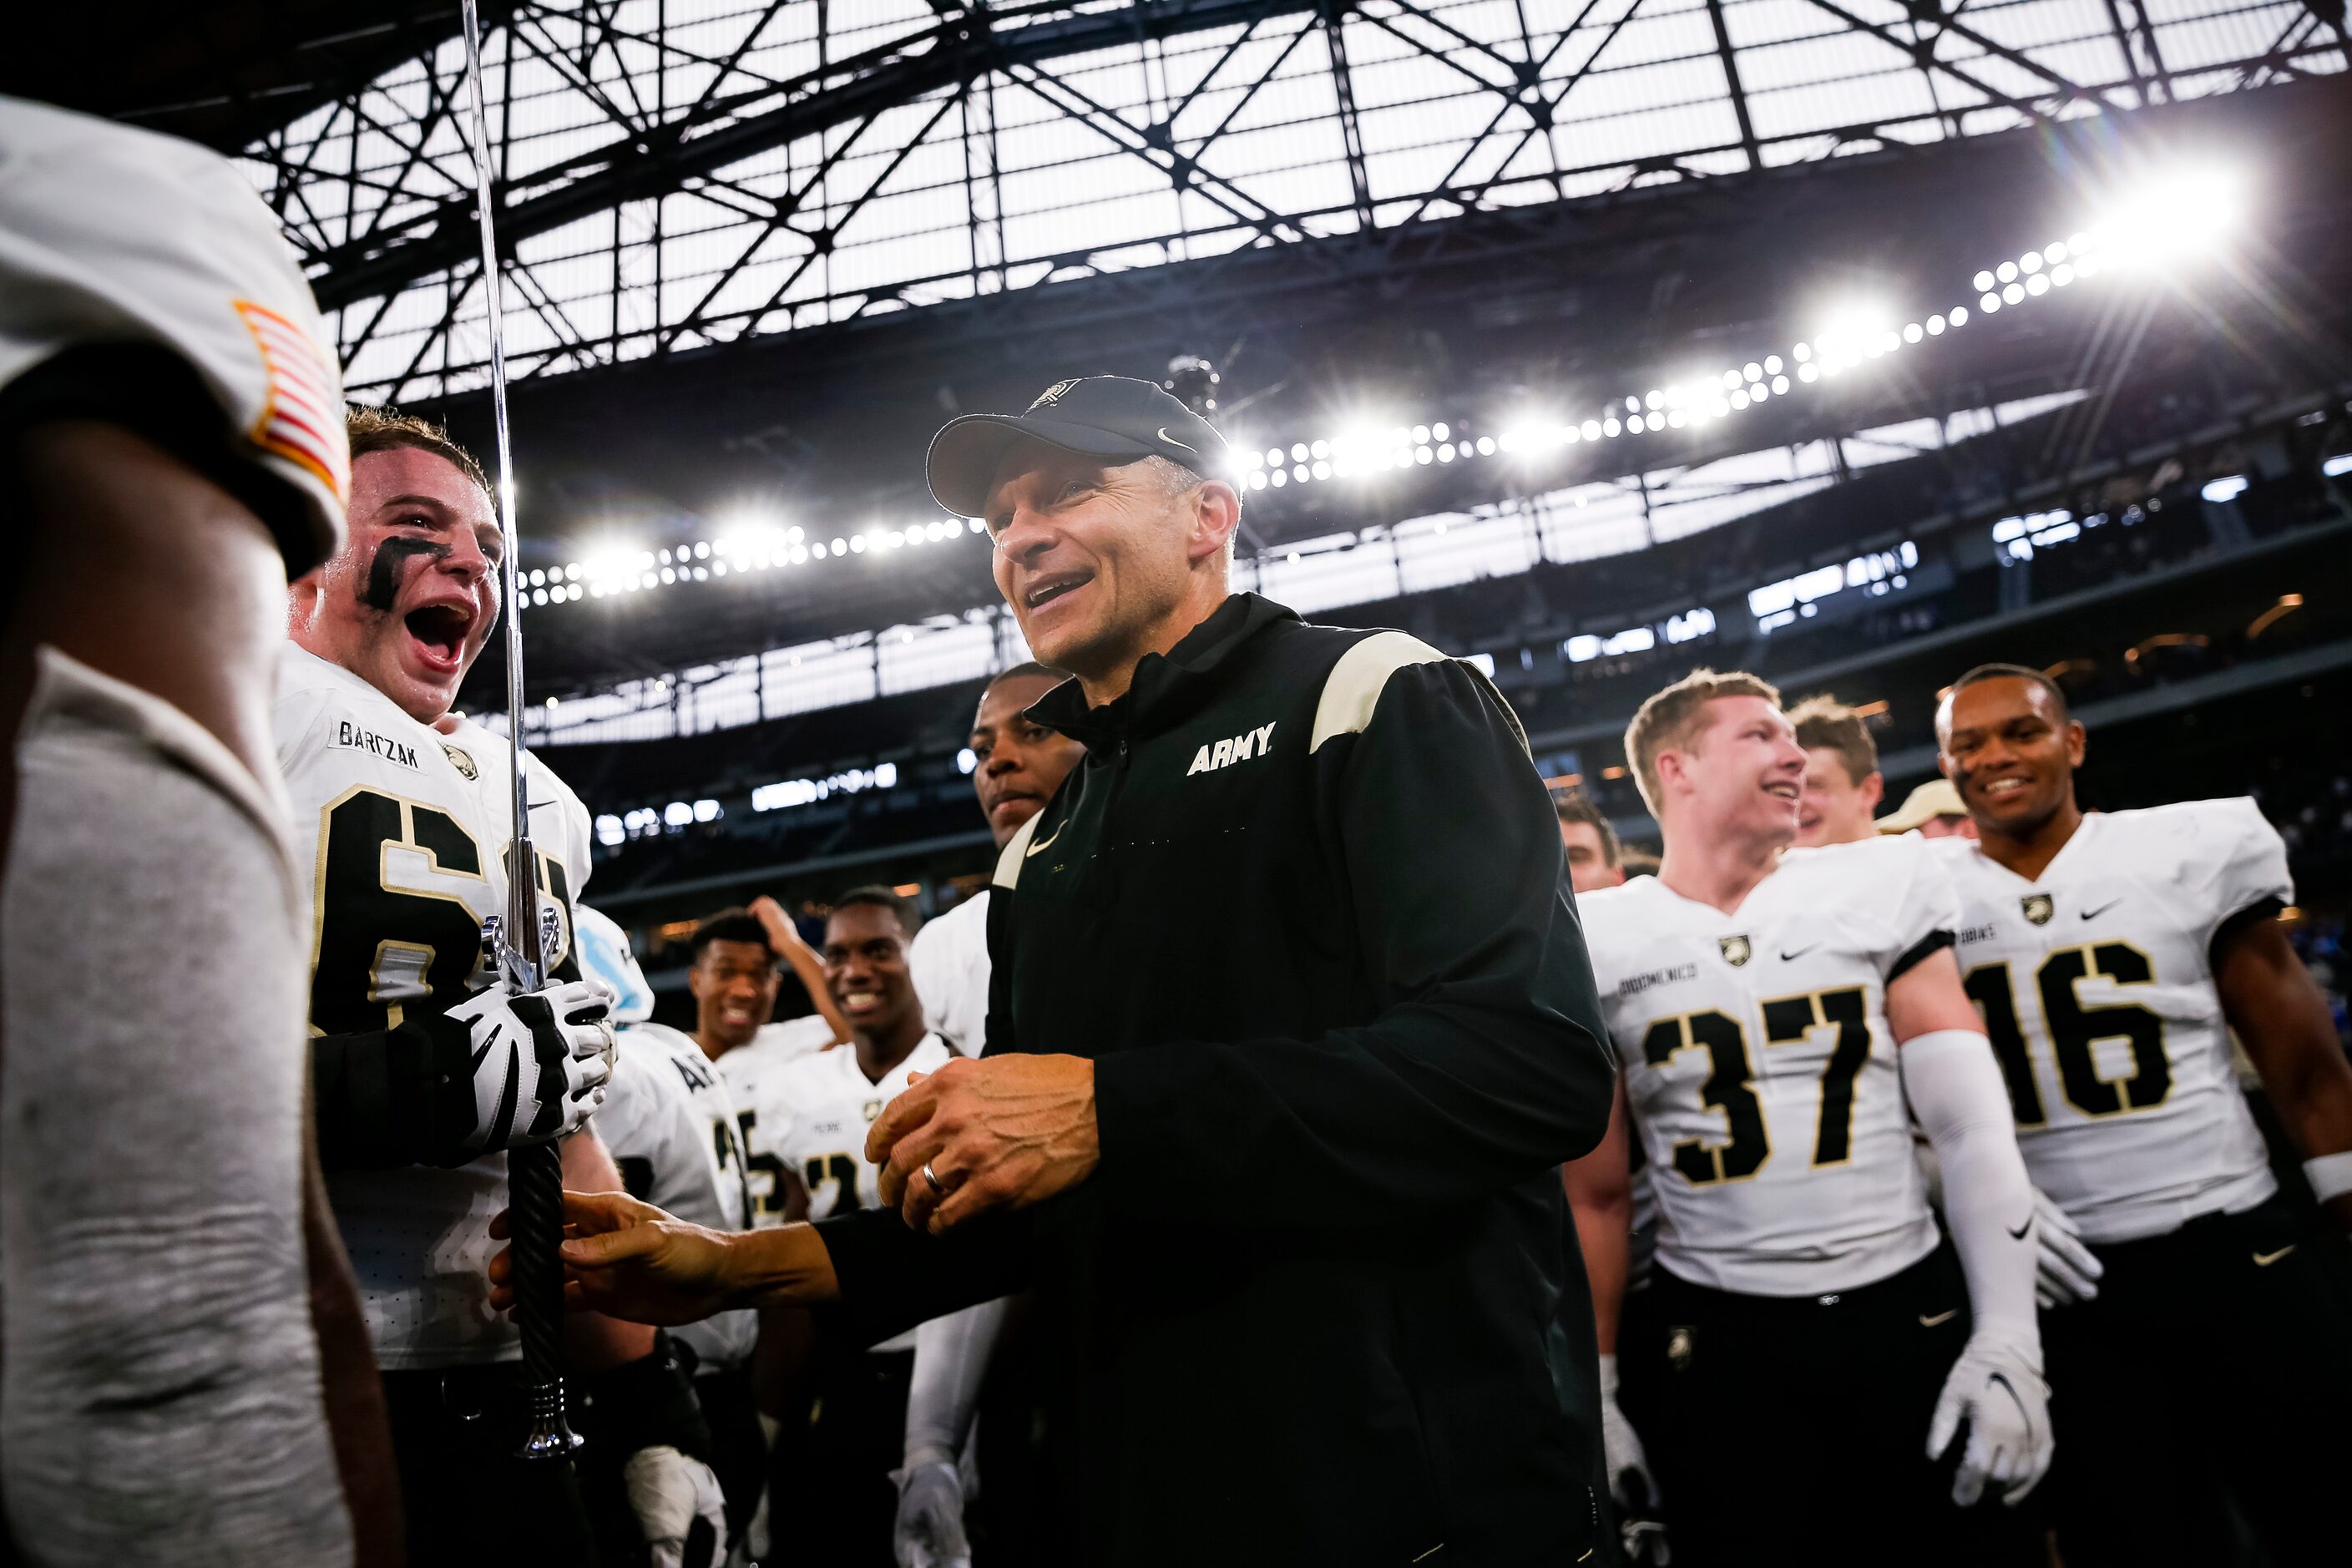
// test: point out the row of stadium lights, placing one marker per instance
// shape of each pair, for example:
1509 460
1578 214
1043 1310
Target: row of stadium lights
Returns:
757 549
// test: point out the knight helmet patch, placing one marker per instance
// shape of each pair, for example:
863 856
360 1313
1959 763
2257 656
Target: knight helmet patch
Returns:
2038 908
1736 950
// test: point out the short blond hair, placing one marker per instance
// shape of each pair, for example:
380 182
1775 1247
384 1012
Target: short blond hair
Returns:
1671 717
1823 722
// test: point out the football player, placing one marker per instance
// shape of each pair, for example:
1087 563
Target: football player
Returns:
1595 859
671 1126
1016 767
1616 1219
1817 1352
426 1070
184 1376
733 980
844 1413
1843 785
2113 954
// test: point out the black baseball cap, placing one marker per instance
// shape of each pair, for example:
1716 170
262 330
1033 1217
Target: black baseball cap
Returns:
1114 417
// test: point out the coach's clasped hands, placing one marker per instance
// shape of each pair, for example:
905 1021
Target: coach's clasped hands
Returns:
1001 1132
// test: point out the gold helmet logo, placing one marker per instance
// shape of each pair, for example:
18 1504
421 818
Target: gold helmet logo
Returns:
2038 908
1736 950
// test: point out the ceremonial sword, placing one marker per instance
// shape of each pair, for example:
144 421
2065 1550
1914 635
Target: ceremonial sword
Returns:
534 1173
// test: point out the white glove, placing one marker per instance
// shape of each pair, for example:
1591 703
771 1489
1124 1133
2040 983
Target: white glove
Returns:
540 1061
1630 1483
1998 1390
680 1507
929 1530
2064 1270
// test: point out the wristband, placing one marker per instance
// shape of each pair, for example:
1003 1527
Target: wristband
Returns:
2330 1175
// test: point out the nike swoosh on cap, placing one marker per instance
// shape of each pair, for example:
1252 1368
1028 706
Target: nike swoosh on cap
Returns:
1174 442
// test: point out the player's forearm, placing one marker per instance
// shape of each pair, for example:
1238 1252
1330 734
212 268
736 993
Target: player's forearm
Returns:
785 1266
1955 1090
1600 1198
2271 1001
1604 1233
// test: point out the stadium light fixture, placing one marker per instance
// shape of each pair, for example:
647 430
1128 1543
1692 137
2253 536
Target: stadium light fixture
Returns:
2173 216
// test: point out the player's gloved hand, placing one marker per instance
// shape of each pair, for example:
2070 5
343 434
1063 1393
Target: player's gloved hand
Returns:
2064 1270
929 1530
679 1505
540 1061
1630 1483
1997 1389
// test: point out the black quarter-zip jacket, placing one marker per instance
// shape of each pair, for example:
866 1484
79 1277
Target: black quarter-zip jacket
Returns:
1304 906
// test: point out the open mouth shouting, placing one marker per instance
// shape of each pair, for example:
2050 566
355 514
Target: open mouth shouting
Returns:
436 637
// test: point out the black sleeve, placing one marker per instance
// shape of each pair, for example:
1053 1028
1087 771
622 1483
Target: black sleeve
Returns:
1927 947
388 1097
1487 1061
892 1277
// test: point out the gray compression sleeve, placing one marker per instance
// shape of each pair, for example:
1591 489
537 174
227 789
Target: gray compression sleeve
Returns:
950 1362
160 1401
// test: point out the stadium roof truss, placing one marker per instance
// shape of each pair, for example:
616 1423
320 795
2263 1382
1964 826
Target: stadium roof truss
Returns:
676 175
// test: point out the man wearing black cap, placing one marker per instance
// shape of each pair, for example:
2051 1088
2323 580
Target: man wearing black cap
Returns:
1290 1025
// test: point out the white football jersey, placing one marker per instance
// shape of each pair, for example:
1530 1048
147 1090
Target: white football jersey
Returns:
814 1117
405 861
949 961
750 1071
2096 984
1760 1068
113 235
670 1124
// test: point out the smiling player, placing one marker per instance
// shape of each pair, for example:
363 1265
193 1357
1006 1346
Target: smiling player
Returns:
814 1117
1781 1016
2113 953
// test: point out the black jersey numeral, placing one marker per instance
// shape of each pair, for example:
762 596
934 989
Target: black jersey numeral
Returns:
2074 1029
381 948
764 1200
1730 1075
1726 1088
842 1171
1791 1018
1989 987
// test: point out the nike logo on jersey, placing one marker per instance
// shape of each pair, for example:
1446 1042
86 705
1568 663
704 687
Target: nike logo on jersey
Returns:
1039 845
2103 909
1225 753
1928 1322
1788 957
2265 1259
2018 1234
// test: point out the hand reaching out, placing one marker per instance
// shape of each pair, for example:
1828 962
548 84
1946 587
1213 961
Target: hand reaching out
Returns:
630 1261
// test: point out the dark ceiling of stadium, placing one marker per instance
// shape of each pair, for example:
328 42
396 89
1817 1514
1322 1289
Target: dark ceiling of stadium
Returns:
223 74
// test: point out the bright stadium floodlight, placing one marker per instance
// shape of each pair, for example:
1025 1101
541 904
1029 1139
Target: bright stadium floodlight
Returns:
1852 331
2173 217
